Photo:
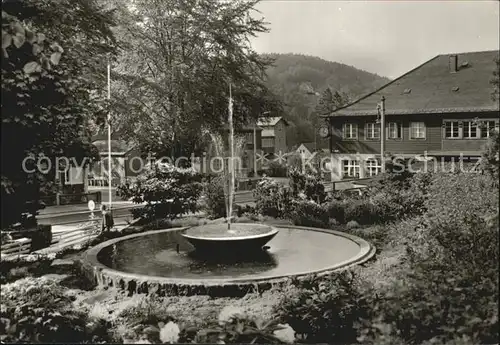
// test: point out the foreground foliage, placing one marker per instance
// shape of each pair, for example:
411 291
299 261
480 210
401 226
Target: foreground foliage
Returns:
445 257
52 52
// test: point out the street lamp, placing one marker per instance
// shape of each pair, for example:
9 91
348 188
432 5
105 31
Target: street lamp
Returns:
381 120
109 138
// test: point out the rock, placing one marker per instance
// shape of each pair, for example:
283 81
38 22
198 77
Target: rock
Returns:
56 277
151 330
137 329
352 224
62 266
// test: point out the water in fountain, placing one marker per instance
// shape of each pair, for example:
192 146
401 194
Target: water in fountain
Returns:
245 237
221 150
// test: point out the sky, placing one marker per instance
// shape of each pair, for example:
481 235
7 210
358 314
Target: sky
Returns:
384 37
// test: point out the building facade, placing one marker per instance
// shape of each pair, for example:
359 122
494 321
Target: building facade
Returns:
273 134
442 110
126 163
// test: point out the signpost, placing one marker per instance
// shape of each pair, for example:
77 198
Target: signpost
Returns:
91 206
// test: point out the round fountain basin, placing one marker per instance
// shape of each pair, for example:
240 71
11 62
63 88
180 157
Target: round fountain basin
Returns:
165 261
217 239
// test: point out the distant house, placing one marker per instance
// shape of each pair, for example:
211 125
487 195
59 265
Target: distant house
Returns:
306 150
73 180
442 108
273 134
126 162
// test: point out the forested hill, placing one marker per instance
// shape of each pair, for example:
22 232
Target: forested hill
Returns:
290 75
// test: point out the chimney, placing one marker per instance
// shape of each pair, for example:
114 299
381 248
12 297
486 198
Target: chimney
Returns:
453 63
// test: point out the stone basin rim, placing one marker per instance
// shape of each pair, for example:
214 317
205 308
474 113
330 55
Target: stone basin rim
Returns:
272 231
366 252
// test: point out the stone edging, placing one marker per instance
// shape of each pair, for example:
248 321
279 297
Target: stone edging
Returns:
106 276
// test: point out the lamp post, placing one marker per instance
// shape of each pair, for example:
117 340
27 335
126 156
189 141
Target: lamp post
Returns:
110 196
381 120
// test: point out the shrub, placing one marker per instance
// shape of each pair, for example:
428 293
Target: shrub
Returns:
309 213
147 320
324 310
37 310
272 199
215 198
277 169
332 223
490 159
398 196
352 224
463 193
245 210
168 192
336 209
308 184
361 211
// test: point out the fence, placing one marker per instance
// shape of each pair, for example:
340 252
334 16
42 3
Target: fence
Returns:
84 231
69 199
17 247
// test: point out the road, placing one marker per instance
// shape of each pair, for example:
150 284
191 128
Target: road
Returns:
122 214
119 215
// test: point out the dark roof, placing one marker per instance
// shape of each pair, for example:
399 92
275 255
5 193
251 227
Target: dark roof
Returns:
118 146
432 88
310 146
271 121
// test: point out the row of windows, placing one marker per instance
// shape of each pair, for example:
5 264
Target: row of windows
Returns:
394 131
469 129
351 168
452 130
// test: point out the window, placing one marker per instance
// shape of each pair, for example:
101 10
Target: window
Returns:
488 126
372 131
417 130
267 142
249 138
350 131
350 168
373 167
64 177
470 130
395 130
451 129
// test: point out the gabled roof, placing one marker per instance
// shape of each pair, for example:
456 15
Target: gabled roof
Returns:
117 146
433 88
270 121
309 146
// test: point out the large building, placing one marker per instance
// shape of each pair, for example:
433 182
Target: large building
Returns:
273 134
432 110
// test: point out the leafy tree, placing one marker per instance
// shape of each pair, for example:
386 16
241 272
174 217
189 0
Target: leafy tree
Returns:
330 101
490 161
495 81
173 79
168 192
51 52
